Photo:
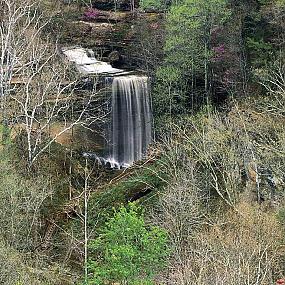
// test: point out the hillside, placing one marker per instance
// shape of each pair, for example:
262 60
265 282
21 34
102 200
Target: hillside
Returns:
142 142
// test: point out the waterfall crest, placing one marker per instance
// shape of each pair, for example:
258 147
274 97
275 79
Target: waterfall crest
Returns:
131 126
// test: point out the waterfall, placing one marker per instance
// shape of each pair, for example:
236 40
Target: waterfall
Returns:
130 130
131 125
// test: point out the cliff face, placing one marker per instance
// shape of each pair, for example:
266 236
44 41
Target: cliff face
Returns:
117 33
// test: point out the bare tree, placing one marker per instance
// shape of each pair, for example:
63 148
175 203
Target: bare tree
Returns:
21 23
37 88
47 97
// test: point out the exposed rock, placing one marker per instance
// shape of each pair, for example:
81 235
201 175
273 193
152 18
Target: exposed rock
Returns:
114 57
78 137
92 34
113 36
110 16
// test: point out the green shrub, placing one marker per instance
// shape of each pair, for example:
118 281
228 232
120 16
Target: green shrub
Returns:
127 250
152 5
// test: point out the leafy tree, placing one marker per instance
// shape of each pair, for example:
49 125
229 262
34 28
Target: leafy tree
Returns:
152 5
264 32
127 250
187 52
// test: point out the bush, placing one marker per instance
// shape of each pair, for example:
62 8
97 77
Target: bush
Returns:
128 250
244 246
152 5
90 14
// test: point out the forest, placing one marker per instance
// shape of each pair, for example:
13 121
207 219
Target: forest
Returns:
142 142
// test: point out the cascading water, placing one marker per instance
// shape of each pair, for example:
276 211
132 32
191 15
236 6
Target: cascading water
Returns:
130 130
131 126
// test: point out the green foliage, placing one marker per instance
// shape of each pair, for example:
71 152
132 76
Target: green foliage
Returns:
261 51
127 250
102 203
187 53
5 133
262 30
281 216
19 268
152 5
21 199
280 3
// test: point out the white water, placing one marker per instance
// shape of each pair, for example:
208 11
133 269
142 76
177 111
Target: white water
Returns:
109 163
131 130
86 62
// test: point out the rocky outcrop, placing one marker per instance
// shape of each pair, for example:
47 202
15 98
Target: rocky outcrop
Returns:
112 29
118 5
113 17
114 36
